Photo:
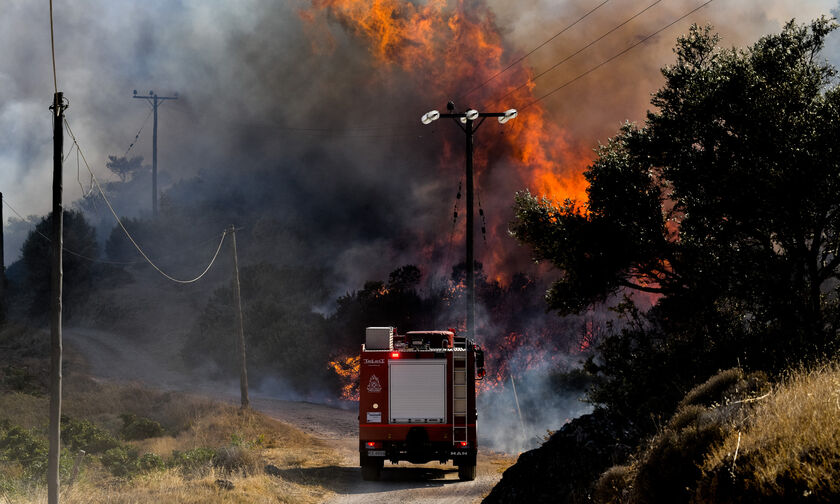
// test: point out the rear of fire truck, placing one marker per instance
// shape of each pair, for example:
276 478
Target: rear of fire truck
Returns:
417 399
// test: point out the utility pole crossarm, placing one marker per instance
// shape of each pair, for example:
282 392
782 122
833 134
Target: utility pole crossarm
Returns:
159 98
480 114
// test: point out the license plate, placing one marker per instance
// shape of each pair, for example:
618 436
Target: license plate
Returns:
376 453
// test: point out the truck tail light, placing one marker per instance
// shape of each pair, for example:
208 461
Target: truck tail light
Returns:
462 444
395 355
374 444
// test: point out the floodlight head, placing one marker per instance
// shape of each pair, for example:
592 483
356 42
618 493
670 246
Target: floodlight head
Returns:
135 91
450 105
463 120
472 114
428 117
151 93
509 114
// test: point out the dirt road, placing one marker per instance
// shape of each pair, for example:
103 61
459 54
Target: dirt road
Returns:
404 483
110 356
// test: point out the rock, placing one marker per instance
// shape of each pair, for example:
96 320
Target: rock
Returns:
224 484
565 468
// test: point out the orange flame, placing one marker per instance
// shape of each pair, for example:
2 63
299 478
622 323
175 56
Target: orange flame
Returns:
450 47
347 369
454 49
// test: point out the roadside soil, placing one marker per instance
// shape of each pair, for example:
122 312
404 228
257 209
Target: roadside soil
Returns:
109 356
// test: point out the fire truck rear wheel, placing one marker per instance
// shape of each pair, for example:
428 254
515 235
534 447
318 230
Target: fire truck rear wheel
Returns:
371 471
466 472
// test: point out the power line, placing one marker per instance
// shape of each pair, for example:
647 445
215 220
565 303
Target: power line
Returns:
642 41
393 130
587 46
65 249
532 51
131 238
137 136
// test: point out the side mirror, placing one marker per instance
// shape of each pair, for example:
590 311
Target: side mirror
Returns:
479 363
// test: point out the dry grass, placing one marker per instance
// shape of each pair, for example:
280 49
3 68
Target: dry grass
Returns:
242 440
789 450
25 410
741 447
171 487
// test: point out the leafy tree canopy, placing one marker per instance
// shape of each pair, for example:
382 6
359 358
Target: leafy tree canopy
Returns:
725 203
124 167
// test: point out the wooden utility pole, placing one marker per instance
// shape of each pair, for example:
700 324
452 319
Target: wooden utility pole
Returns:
468 129
2 264
467 122
154 100
237 299
58 108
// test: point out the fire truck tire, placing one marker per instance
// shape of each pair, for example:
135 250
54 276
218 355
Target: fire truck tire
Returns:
371 471
466 472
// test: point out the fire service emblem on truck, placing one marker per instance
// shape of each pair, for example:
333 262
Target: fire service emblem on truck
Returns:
373 385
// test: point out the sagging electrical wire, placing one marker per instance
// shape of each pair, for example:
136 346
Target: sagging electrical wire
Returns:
63 248
137 136
128 235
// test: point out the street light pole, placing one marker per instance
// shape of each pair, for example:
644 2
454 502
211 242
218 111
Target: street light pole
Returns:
466 121
470 235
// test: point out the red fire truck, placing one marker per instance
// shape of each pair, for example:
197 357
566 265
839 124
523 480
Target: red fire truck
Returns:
417 399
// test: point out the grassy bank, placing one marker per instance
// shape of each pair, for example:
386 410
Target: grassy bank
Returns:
739 439
145 446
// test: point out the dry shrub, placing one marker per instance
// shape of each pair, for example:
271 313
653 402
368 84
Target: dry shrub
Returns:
227 421
788 452
669 465
238 460
613 486
726 386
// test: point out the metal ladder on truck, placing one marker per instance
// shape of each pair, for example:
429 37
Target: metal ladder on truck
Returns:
459 391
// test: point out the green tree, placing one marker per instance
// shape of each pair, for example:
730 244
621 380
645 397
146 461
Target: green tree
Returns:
725 203
284 337
125 168
80 250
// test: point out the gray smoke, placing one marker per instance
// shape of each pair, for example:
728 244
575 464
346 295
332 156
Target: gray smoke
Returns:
298 118
291 130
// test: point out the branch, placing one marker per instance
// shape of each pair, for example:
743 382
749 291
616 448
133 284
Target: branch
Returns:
631 285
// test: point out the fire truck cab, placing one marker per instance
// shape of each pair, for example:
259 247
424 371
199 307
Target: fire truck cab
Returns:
417 399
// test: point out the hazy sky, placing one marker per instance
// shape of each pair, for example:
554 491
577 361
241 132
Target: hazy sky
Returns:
256 63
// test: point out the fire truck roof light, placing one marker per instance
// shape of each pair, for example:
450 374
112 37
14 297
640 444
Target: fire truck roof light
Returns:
395 355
